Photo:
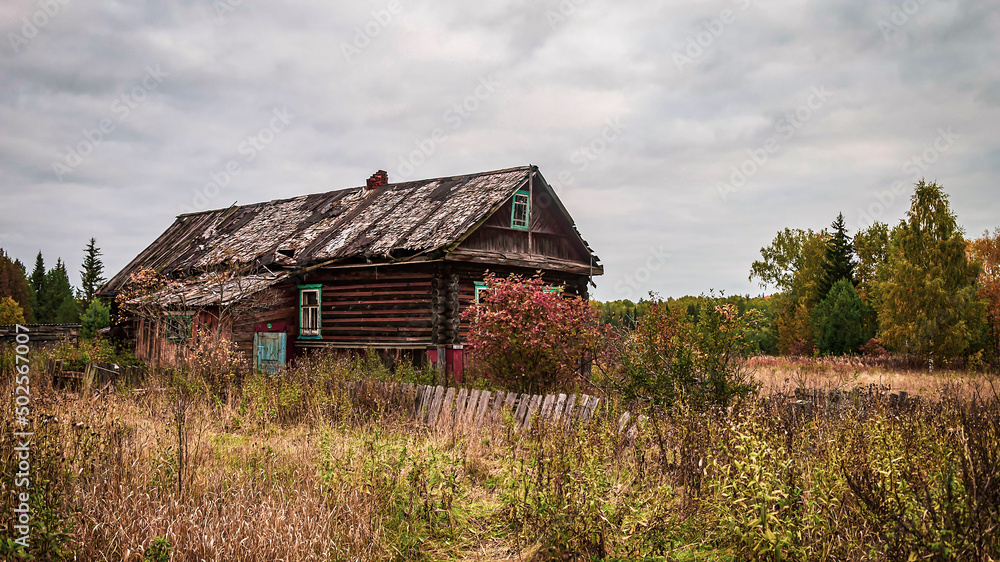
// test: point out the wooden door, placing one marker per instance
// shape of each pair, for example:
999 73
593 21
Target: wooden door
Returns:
269 351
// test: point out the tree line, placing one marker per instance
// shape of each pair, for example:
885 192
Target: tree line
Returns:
46 295
919 288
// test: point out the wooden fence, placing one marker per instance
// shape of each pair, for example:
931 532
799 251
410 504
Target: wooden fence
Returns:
467 408
94 375
41 335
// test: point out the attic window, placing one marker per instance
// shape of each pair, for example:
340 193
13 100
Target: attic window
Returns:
519 211
287 253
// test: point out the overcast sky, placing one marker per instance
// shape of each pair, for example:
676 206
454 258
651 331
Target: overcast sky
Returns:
680 135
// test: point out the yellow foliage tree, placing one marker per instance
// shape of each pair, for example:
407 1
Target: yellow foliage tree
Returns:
10 312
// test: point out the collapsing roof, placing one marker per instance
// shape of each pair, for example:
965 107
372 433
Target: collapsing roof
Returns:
380 223
208 290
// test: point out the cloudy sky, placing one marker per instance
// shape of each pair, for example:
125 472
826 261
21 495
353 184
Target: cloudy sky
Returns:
680 135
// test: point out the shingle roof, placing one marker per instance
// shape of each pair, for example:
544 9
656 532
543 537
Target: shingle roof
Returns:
385 223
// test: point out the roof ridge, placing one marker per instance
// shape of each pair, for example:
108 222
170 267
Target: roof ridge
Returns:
283 199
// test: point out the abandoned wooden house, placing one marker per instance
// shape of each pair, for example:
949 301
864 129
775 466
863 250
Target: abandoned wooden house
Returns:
387 266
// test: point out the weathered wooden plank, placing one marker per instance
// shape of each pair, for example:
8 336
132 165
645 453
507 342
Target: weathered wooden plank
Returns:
623 421
417 399
510 401
460 404
498 401
484 404
522 409
568 413
547 406
432 415
581 406
534 405
447 407
470 408
425 403
591 407
558 409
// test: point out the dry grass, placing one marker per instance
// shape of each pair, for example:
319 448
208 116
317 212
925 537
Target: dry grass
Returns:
247 495
784 374
286 471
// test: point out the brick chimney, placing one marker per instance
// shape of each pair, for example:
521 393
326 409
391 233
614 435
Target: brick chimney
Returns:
378 179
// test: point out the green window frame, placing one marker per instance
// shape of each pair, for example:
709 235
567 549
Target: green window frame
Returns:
520 210
310 317
177 328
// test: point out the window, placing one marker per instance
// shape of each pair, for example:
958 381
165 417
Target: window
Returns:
177 328
309 301
480 289
519 211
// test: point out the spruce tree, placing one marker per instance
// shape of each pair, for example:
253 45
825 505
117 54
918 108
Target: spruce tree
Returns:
927 296
37 285
92 274
839 261
840 320
58 305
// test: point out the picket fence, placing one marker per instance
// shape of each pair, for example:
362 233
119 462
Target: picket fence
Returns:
439 406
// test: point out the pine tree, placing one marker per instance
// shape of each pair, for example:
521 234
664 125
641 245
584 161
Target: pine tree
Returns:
839 260
37 285
14 285
927 295
92 274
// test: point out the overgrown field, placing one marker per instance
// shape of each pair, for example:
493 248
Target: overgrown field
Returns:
192 469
